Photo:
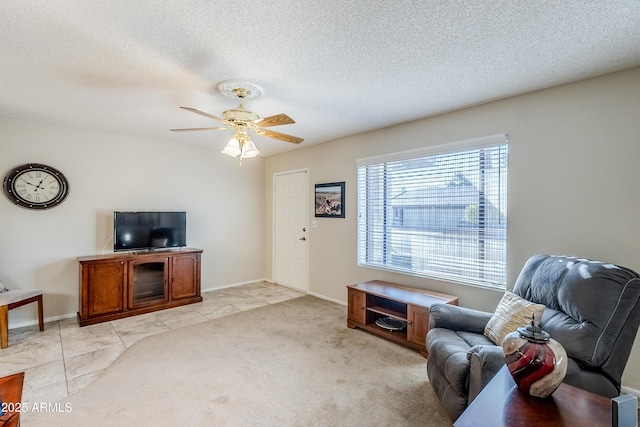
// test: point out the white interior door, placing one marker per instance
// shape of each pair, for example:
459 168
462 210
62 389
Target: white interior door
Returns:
290 227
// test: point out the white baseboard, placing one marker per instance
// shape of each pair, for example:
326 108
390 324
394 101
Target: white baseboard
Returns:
327 298
46 319
270 281
233 285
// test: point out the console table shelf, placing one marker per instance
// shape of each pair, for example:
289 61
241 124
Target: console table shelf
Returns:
120 285
370 301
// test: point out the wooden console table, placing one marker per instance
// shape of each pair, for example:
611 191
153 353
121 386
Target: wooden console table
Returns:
370 301
500 403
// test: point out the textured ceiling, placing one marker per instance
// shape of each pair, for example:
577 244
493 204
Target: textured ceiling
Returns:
337 67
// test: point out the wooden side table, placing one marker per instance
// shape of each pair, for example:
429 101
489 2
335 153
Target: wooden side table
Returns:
500 403
370 301
11 397
14 299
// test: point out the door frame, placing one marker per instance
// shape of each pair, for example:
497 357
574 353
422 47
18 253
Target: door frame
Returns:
273 225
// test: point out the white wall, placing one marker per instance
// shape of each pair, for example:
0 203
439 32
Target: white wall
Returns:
574 185
108 172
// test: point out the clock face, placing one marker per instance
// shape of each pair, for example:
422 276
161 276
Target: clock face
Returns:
36 186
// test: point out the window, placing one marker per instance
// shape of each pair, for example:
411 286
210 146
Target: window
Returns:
438 212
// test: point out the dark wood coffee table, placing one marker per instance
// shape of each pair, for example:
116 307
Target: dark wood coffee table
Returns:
500 403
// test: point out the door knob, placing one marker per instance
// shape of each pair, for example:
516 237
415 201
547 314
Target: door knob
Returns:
302 238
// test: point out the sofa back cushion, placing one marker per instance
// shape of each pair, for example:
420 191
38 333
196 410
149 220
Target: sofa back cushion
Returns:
587 302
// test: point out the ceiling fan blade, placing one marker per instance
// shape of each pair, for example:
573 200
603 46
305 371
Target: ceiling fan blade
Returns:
190 129
202 113
282 136
277 120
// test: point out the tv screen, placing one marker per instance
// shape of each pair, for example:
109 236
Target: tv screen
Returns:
149 230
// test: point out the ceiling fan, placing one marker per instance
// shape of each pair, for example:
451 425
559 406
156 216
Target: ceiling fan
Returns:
243 121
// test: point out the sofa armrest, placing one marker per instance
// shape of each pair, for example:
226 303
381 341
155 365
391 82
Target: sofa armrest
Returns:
458 318
484 362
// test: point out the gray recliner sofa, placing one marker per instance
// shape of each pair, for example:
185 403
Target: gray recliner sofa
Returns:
592 308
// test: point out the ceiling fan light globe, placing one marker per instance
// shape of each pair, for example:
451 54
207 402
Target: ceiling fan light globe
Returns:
232 148
249 149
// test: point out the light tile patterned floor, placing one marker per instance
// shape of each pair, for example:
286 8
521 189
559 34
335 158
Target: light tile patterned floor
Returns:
65 358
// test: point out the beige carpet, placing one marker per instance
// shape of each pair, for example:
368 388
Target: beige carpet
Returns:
290 364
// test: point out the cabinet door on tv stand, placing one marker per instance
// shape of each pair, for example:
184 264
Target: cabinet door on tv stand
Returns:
148 281
356 307
104 284
418 327
185 272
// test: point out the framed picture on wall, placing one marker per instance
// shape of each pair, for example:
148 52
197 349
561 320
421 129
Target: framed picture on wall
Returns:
330 200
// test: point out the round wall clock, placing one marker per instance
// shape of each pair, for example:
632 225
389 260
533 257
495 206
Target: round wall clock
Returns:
35 186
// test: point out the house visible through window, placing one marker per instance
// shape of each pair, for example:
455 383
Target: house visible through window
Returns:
438 212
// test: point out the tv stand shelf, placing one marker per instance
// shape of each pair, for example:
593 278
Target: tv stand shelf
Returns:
125 284
390 313
370 301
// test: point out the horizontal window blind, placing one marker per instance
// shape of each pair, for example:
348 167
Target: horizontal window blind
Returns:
438 213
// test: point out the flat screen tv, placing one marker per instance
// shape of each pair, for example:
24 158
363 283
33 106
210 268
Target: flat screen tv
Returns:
149 230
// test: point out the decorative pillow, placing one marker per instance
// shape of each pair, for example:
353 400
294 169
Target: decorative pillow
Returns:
512 313
3 288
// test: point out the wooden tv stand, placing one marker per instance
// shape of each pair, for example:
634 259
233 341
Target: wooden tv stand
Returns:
120 285
369 301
